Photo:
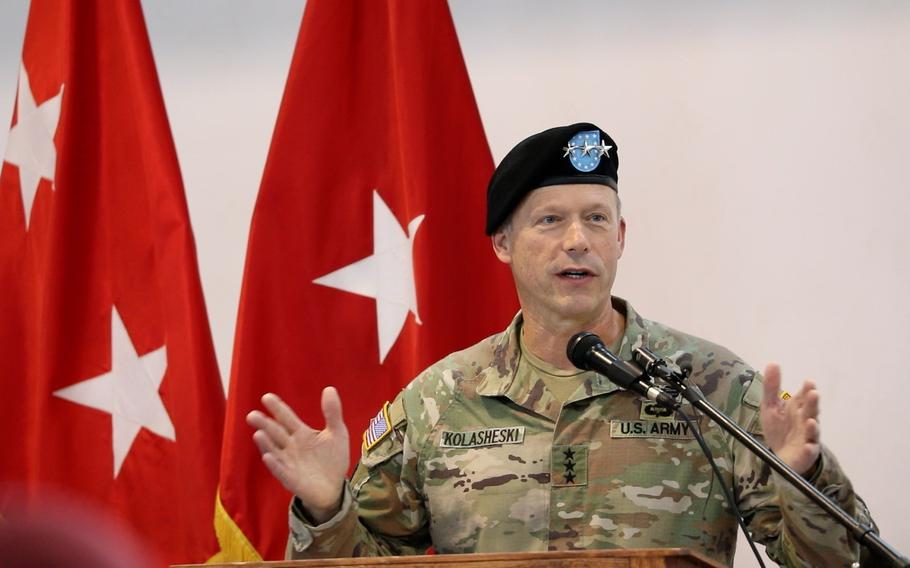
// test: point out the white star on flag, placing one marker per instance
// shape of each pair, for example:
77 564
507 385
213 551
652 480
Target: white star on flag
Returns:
31 141
128 392
387 275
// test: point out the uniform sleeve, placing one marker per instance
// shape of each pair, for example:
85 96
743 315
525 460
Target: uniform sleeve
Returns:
794 530
382 512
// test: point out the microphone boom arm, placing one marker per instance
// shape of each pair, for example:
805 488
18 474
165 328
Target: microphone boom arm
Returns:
863 534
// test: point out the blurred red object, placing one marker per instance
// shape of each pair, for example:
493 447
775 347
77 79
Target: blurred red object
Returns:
59 530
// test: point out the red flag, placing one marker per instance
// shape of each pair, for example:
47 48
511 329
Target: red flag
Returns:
111 389
367 258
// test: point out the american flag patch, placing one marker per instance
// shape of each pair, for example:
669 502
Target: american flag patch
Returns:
379 428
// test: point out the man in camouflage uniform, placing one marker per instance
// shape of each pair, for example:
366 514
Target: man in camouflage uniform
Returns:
506 446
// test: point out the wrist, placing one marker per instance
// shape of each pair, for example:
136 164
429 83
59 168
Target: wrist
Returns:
318 515
811 473
321 516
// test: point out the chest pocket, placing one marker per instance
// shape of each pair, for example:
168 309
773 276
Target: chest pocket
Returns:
657 485
659 474
495 460
493 496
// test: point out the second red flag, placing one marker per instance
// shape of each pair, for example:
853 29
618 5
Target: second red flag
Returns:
367 258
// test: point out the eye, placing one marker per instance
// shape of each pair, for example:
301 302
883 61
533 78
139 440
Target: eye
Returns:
548 219
599 218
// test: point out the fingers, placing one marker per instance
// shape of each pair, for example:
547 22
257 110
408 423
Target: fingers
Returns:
805 402
804 408
276 433
331 410
286 421
272 457
273 435
807 388
810 398
282 413
279 470
811 431
265 444
808 407
772 386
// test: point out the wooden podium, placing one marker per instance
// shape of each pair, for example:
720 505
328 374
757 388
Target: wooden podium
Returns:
626 558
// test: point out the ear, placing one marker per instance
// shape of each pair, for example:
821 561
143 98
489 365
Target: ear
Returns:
502 246
621 235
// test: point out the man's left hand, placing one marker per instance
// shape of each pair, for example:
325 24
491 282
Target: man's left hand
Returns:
791 426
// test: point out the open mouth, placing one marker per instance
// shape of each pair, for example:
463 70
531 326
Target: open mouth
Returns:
574 274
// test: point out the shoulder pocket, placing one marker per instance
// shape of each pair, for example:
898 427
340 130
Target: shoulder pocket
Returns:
753 395
384 436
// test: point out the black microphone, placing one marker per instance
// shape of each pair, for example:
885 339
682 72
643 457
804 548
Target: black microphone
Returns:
587 351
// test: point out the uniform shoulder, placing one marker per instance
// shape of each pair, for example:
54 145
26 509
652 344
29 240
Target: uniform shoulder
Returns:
417 407
436 387
715 368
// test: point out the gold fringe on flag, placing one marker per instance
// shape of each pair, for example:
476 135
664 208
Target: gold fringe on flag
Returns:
235 547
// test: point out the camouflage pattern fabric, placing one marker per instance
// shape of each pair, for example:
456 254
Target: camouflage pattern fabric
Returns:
484 459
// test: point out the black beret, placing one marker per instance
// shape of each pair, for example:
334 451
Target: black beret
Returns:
578 153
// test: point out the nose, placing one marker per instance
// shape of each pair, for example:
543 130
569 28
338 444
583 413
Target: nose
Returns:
575 238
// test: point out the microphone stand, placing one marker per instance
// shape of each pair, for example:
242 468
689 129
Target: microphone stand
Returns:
655 367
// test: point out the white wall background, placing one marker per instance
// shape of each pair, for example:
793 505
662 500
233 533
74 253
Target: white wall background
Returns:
764 174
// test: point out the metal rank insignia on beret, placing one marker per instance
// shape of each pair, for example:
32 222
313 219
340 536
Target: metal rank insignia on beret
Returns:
585 149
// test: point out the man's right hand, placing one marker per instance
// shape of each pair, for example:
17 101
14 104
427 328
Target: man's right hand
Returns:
309 463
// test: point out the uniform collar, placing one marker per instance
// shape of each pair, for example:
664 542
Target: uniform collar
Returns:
526 389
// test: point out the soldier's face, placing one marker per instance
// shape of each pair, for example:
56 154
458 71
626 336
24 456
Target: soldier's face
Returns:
563 244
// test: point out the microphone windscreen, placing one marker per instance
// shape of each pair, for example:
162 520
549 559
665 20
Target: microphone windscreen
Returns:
579 346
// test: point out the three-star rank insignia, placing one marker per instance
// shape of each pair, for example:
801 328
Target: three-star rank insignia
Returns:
569 466
585 149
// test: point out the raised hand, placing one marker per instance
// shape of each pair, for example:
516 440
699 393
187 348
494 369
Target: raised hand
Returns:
791 426
309 463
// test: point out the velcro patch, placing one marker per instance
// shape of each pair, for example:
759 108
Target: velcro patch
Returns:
672 429
379 428
650 410
570 465
480 438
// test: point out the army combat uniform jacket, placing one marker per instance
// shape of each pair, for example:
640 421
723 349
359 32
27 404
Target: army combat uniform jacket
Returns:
479 456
